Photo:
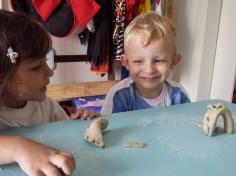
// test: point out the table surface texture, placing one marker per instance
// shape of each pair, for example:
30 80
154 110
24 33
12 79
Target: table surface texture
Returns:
175 144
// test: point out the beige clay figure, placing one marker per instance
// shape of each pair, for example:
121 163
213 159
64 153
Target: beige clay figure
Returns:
214 111
94 133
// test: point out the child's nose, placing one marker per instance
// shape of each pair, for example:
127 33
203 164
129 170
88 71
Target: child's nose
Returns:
149 68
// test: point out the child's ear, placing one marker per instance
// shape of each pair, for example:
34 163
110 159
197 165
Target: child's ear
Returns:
175 60
124 61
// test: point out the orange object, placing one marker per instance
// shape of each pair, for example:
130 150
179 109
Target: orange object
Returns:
101 70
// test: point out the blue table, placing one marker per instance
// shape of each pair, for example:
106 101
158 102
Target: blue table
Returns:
175 144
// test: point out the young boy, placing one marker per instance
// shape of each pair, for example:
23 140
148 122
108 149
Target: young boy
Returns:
150 56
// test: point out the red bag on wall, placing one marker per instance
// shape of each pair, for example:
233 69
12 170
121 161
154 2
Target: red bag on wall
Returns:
60 17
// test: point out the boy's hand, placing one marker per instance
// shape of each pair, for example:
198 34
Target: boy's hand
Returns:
81 113
40 160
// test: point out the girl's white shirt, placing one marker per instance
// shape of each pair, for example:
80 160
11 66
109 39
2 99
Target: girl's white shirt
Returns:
32 113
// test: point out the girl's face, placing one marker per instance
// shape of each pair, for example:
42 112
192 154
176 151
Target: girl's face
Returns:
149 65
28 82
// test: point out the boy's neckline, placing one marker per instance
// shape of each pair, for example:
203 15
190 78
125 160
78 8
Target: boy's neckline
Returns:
149 96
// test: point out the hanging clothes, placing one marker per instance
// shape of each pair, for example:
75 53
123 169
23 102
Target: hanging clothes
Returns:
165 7
132 10
168 8
144 7
99 42
156 6
61 17
119 28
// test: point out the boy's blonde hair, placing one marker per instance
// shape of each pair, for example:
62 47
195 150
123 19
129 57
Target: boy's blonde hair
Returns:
152 27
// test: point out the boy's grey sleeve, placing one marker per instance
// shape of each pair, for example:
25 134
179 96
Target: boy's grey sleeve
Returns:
107 104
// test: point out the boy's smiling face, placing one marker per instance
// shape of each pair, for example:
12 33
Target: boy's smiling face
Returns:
29 81
149 65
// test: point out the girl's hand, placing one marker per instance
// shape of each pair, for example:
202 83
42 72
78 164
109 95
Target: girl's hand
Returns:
81 113
37 159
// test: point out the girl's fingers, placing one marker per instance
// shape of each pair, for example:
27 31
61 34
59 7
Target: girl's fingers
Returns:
65 162
83 114
51 170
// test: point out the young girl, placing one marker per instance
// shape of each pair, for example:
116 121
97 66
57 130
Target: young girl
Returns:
24 76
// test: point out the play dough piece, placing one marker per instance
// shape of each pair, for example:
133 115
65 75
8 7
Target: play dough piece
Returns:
214 111
134 144
94 133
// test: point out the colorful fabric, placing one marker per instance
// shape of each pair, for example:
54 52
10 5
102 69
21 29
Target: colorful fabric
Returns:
60 17
144 7
84 10
93 103
119 28
45 8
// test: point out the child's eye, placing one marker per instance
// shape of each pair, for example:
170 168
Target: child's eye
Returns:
40 65
36 67
159 61
137 61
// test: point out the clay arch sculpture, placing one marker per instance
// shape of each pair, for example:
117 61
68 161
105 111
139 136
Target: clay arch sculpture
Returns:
214 111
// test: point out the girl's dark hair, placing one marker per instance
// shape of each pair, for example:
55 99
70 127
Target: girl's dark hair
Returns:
25 36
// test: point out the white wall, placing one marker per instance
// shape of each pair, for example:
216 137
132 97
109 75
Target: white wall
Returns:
197 27
206 38
74 71
223 80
